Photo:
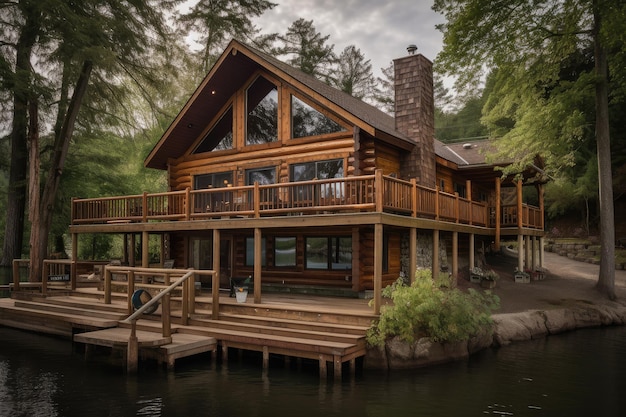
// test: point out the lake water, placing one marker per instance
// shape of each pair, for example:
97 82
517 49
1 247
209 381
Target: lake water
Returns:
582 373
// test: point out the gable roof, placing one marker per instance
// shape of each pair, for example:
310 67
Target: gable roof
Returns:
238 63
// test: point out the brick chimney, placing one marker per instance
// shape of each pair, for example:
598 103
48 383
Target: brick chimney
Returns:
415 114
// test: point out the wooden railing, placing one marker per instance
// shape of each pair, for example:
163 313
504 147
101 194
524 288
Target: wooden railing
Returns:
358 193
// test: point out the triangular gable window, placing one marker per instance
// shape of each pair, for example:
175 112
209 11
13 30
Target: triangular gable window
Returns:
307 121
261 112
220 137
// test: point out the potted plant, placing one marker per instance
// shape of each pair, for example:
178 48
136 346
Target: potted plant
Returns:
521 277
476 275
489 279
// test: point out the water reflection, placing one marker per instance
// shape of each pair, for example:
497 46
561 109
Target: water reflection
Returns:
575 374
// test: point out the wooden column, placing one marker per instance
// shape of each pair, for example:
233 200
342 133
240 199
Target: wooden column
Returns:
378 266
131 252
132 351
455 254
498 213
74 258
436 254
145 249
541 253
528 257
258 253
215 281
520 212
471 251
542 207
520 252
412 253
356 259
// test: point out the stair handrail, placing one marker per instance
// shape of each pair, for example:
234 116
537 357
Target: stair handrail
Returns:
157 297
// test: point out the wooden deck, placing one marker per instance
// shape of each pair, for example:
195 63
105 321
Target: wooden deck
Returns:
328 330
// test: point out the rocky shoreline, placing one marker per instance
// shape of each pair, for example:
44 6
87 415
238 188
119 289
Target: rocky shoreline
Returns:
507 329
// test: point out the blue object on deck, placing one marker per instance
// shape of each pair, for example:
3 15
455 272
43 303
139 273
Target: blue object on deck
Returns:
141 298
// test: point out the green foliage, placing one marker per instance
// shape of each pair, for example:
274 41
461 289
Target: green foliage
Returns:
428 309
354 73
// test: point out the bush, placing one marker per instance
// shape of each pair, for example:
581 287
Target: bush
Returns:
429 309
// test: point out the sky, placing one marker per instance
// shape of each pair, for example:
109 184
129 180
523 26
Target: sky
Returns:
380 29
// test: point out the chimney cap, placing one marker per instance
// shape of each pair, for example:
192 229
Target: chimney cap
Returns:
411 49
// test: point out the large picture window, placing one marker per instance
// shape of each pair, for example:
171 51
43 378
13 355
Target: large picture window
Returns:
261 112
329 253
307 121
220 137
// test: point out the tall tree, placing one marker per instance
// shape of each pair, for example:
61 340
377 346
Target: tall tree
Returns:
353 74
306 49
214 22
77 44
528 42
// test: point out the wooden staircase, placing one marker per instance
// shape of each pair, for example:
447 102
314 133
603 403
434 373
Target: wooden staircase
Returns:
291 328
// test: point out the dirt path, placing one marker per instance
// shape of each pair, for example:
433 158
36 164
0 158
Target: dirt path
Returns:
568 282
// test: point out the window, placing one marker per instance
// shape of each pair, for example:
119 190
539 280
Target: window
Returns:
285 251
306 121
263 176
211 201
321 170
458 188
220 136
250 251
261 112
329 253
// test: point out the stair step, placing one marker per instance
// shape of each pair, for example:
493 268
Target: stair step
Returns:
58 308
75 319
303 333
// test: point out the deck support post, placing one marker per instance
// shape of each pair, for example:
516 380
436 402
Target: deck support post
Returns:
378 266
266 358
166 319
412 254
132 352
520 252
541 253
353 367
455 254
215 281
435 254
257 264
337 366
472 262
224 352
145 249
497 215
323 369
528 257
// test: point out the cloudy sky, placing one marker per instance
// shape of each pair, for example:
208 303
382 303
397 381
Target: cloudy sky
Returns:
380 29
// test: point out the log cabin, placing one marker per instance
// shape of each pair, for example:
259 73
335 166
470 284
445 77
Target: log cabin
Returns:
277 176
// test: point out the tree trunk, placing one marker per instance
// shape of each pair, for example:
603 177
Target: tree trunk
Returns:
606 279
34 189
16 202
61 146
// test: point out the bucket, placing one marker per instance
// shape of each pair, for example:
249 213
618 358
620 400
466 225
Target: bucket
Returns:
241 295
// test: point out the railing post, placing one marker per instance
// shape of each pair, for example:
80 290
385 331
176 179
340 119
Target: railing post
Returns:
379 189
166 319
456 206
187 203
215 296
16 274
44 277
184 304
413 197
144 207
131 289
256 195
107 285
436 203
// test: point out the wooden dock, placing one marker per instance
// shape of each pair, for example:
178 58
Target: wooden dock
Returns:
330 331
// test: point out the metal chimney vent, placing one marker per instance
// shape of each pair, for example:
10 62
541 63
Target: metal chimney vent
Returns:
411 49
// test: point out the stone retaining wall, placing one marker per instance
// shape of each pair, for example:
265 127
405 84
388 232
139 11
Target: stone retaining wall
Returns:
581 252
508 328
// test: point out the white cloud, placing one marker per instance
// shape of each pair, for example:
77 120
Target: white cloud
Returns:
381 30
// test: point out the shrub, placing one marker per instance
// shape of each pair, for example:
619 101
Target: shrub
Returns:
428 309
